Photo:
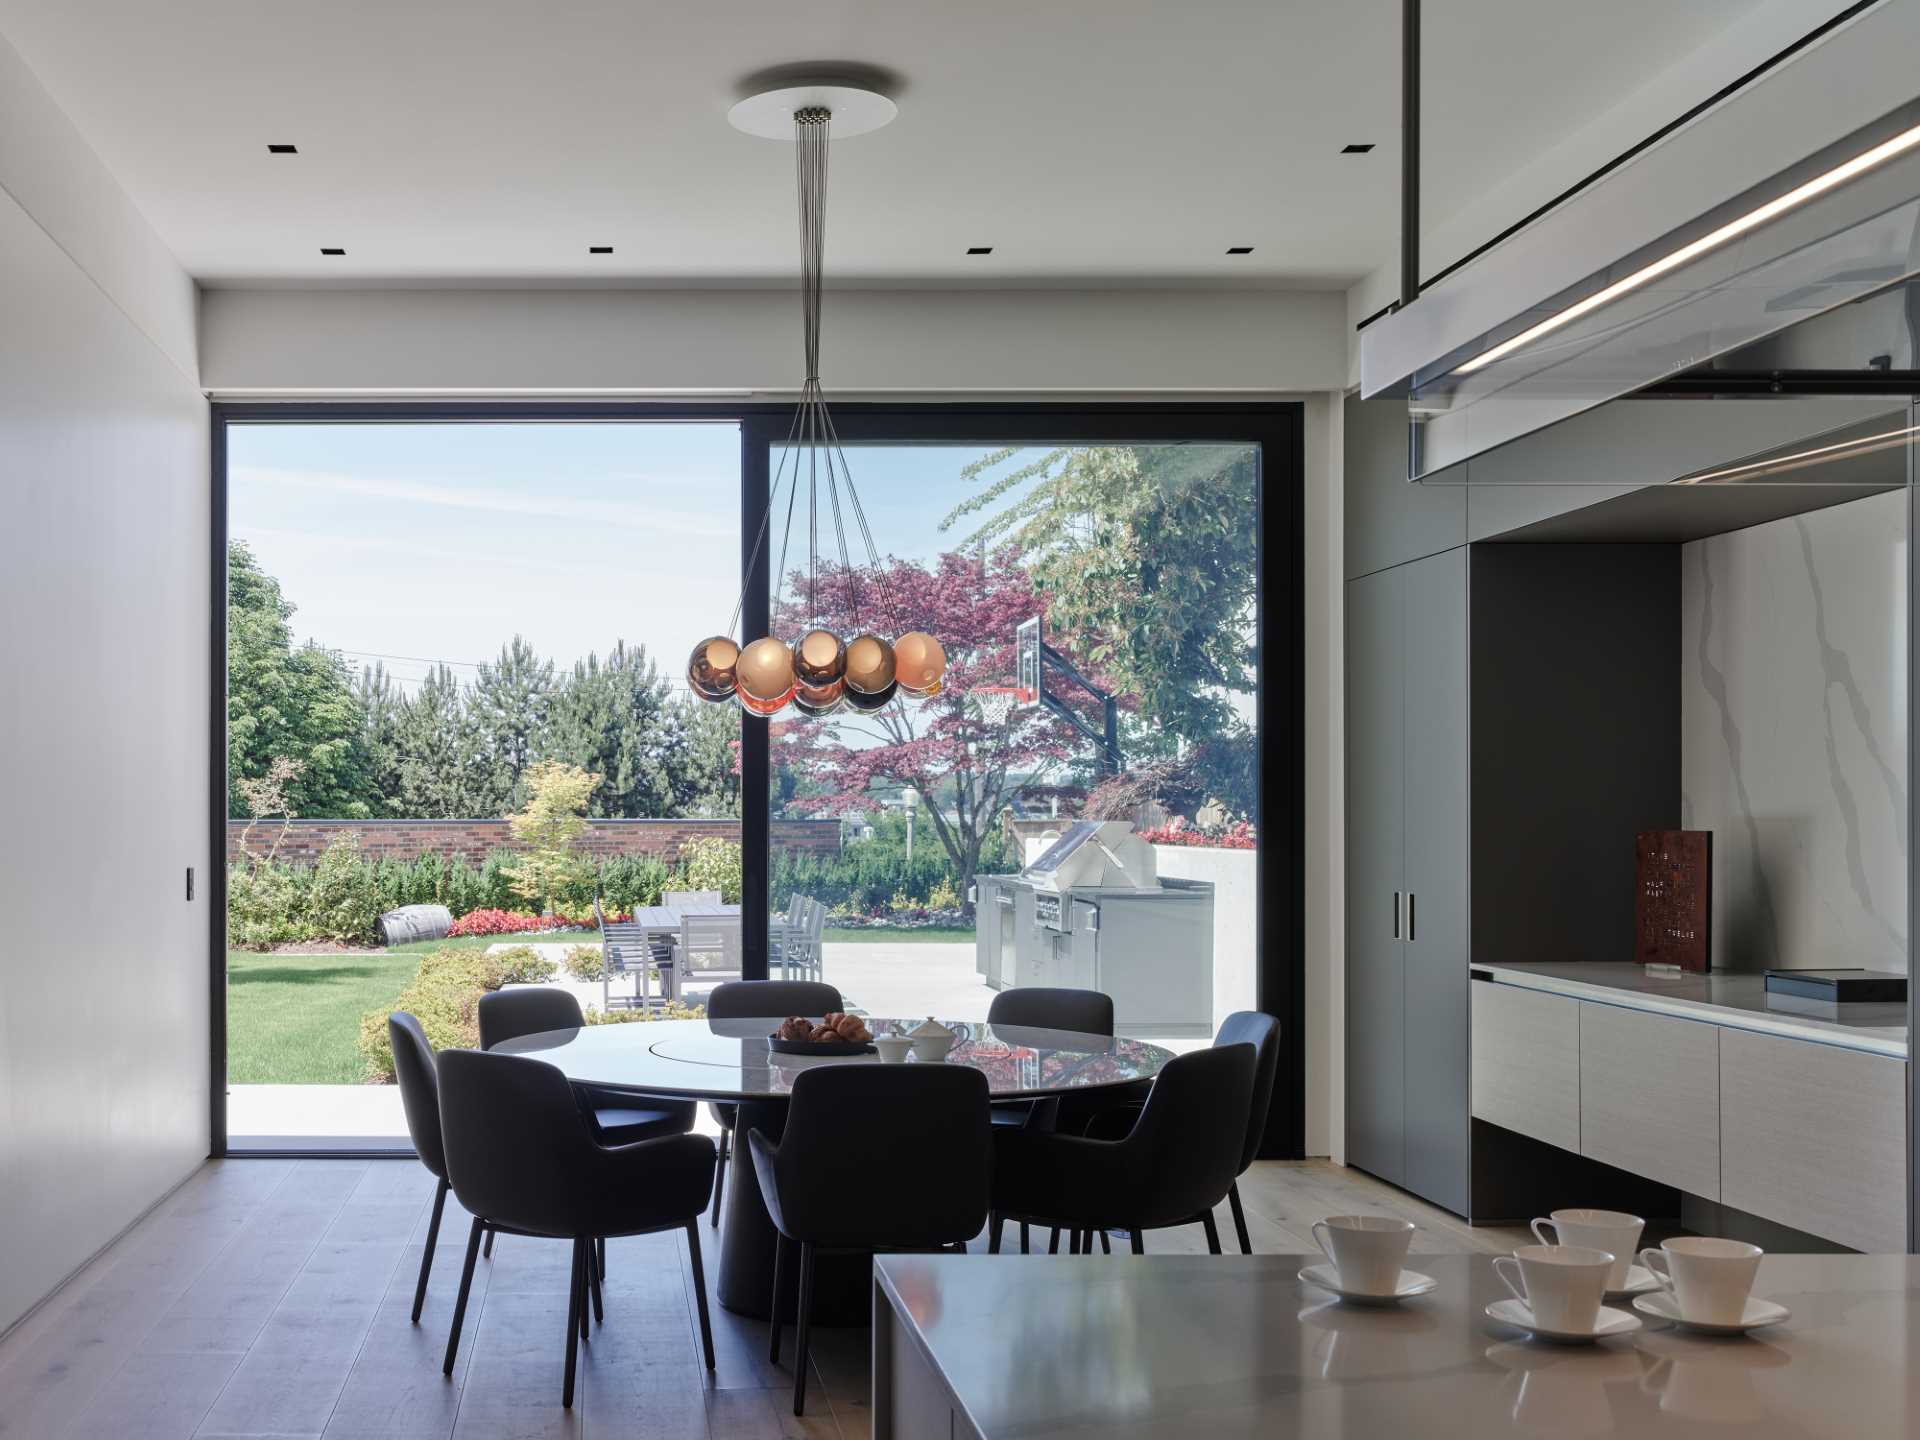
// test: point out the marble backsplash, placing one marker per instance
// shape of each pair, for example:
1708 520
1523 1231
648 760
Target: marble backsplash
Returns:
1793 735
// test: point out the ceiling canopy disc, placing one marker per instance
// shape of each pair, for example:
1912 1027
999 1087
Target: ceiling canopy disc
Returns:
769 113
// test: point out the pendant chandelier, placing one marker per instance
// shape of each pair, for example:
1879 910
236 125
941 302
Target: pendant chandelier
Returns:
819 671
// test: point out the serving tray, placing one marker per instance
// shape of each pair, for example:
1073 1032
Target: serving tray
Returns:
810 1047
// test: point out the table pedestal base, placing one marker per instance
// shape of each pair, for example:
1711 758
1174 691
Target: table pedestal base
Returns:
842 1284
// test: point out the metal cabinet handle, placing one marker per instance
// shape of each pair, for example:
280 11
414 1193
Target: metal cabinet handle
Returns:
1396 914
1409 916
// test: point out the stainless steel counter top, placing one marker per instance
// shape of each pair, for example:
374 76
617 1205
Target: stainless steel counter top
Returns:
1738 1001
1229 1346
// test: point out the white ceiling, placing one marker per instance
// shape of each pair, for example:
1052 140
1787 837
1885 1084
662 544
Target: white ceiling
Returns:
1088 141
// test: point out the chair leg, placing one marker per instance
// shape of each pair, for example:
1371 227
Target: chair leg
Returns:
1073 1241
593 1286
583 1252
1239 1218
1024 1239
996 1222
1213 1233
576 1317
433 1239
1106 1243
1053 1244
488 1252
600 1256
1139 1242
801 1359
460 1305
720 1177
700 1292
780 1243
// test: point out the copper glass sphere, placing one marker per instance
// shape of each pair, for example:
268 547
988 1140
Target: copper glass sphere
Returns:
866 704
765 671
870 667
710 671
919 663
820 668
816 711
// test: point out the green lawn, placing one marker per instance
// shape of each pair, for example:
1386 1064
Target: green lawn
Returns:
295 1019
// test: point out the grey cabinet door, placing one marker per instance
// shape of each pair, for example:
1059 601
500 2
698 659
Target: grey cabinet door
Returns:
1376 988
1388 519
1434 664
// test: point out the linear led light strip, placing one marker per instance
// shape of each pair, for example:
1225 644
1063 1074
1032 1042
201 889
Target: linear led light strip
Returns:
1862 444
1713 240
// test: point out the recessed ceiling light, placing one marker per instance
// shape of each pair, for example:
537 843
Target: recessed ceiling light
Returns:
979 249
599 249
282 150
1239 249
1356 149
1900 144
331 250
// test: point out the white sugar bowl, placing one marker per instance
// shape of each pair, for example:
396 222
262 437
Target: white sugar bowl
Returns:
932 1040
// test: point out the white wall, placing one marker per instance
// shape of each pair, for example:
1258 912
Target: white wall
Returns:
899 342
103 710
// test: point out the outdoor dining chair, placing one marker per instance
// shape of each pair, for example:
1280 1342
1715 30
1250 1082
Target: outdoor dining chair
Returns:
630 949
688 899
711 946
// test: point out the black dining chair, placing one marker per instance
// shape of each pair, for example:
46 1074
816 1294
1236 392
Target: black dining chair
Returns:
1243 1027
523 1158
1086 1012
413 1069
929 1189
1171 1168
752 1000
618 1119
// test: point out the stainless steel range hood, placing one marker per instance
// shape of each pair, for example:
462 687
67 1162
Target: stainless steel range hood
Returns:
1796 196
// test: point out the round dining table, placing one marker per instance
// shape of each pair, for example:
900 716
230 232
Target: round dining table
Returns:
728 1061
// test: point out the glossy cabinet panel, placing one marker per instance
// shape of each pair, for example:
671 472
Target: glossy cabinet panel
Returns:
1390 520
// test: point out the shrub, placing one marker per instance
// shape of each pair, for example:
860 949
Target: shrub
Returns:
444 996
711 863
343 902
585 962
509 922
626 882
1238 836
266 902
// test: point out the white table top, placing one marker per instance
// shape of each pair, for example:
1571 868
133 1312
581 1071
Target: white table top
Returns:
729 1059
1738 1001
665 917
1228 1346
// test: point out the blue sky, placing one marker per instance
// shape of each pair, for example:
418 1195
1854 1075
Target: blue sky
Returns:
440 542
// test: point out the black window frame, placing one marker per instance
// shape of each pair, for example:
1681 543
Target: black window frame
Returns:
1276 427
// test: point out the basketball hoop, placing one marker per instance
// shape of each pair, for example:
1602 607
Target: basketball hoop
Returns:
995 704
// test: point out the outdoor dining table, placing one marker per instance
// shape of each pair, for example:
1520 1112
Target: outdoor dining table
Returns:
663 922
728 1061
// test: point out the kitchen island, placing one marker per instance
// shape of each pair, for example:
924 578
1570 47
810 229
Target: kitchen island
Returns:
989 1348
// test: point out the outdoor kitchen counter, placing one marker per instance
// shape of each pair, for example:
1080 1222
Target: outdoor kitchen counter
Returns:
1738 1002
990 1348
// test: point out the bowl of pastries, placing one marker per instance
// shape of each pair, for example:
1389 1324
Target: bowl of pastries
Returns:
831 1034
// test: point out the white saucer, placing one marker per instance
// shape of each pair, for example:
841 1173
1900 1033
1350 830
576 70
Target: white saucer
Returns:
1760 1314
1640 1281
1327 1278
1609 1323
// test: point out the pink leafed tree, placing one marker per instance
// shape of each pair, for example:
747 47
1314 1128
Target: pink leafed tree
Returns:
964 766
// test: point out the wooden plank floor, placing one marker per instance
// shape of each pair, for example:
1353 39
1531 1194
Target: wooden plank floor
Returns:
271 1297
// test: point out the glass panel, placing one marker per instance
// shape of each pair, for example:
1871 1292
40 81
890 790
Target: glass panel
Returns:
1097 606
433 629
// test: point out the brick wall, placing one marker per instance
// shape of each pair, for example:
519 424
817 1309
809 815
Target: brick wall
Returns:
472 839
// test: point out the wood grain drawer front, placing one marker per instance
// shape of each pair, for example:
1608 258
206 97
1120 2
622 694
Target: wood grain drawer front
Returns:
1814 1137
1526 1062
1650 1096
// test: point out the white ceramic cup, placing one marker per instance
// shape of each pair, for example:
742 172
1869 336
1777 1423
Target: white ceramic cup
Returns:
1561 1284
1709 1278
893 1048
1367 1250
1610 1230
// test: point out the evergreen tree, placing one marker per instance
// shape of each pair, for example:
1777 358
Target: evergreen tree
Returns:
617 720
290 704
707 762
511 708
381 699
439 773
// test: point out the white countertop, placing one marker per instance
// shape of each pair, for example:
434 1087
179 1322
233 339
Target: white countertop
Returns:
1156 1347
1738 1002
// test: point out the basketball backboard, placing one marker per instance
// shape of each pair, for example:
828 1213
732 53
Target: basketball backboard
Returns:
1029 674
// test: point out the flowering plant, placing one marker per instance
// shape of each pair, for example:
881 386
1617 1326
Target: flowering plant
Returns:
1237 836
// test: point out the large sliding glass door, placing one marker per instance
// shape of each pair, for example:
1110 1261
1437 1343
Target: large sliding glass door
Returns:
440 617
